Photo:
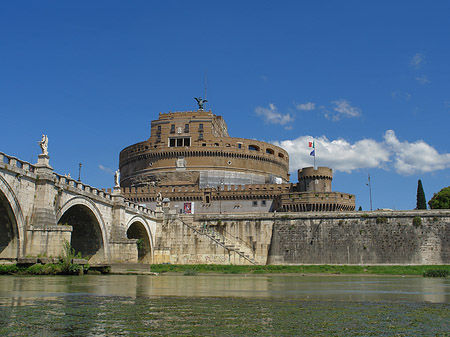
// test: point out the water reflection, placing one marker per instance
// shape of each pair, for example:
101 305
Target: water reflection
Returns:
18 290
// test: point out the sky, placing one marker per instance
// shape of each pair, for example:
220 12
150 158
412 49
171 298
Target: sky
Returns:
367 81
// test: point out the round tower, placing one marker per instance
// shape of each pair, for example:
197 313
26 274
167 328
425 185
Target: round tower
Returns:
312 179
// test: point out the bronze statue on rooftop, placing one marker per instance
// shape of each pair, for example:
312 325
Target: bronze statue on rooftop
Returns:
200 102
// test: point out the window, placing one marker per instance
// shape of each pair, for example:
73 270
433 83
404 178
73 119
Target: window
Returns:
253 148
255 203
159 128
158 138
239 145
269 151
186 128
179 142
172 128
200 136
280 155
200 127
263 203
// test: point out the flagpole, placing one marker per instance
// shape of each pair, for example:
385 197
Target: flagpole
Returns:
370 190
314 150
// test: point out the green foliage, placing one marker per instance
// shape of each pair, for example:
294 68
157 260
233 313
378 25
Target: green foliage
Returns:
360 208
364 216
417 221
436 273
381 220
440 200
190 272
8 269
299 269
140 244
421 201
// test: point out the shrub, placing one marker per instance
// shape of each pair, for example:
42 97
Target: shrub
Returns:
381 220
436 273
417 221
190 272
8 269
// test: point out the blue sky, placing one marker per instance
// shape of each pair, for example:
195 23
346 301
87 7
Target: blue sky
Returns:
369 81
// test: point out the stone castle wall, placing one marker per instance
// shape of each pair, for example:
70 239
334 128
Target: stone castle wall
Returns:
397 237
413 237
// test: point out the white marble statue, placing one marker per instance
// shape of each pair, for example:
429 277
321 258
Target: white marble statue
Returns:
159 199
44 144
117 178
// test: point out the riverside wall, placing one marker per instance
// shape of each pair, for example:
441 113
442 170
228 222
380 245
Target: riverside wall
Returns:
358 238
379 237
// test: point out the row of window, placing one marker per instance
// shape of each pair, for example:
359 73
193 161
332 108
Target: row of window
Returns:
255 203
186 128
186 141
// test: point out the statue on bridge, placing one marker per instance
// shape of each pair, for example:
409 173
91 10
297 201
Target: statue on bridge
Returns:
117 178
44 145
159 199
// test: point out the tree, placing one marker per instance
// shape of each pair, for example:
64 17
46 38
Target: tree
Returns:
421 201
441 199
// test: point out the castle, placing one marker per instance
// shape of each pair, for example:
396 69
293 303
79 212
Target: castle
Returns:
192 161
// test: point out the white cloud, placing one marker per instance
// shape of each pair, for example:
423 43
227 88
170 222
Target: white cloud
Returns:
417 157
105 169
305 106
341 155
404 96
338 154
342 109
272 116
423 79
417 61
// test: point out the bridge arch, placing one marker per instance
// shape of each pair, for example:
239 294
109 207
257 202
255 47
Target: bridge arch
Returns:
12 223
138 228
89 234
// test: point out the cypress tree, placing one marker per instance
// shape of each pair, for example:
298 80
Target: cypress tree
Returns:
421 201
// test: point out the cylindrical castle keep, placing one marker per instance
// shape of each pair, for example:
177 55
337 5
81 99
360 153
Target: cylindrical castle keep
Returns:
193 149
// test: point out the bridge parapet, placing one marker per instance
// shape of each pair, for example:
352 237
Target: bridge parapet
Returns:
78 185
140 208
15 162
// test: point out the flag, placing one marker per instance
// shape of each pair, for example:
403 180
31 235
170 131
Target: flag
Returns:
313 153
311 144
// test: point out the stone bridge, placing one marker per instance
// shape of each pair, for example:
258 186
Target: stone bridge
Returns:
40 209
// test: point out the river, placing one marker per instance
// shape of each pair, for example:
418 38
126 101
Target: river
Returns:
224 305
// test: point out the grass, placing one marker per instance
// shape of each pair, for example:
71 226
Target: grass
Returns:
300 269
43 269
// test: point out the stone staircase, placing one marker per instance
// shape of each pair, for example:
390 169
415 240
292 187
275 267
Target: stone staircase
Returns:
230 243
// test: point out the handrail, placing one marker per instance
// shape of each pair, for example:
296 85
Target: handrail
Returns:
216 241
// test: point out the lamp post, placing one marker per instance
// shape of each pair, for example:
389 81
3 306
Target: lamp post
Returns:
79 171
370 190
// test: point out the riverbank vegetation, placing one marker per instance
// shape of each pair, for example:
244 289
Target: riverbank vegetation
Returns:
299 269
65 265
